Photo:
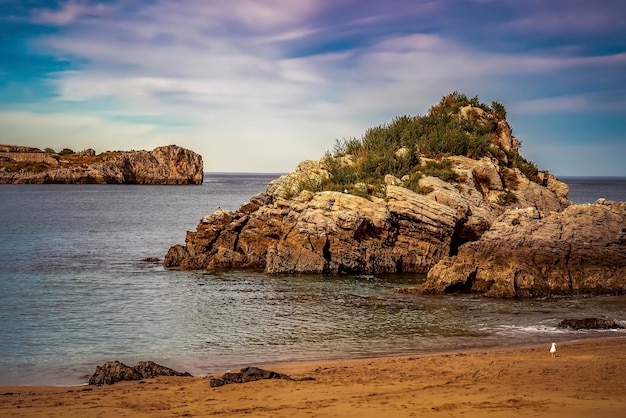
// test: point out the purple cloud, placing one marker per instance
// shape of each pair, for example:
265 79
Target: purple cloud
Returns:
348 63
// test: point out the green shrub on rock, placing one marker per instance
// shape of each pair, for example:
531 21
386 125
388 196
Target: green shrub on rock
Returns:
457 125
506 198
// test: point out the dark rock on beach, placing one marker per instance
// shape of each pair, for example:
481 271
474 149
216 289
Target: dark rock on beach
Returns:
112 372
589 323
249 374
115 371
149 369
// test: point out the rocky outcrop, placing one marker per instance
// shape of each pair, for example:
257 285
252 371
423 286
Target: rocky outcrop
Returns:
327 232
533 253
115 371
481 188
26 155
164 165
287 230
492 225
589 323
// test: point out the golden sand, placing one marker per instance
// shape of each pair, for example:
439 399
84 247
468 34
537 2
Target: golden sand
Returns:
586 379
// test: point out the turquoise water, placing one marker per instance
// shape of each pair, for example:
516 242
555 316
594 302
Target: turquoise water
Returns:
74 292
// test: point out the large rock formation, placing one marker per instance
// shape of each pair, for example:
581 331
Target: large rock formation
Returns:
334 232
164 165
327 232
491 224
532 253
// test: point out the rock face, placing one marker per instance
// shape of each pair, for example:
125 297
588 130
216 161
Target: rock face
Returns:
164 165
334 232
115 371
330 233
532 253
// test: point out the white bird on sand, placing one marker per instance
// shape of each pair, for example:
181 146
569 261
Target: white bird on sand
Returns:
553 349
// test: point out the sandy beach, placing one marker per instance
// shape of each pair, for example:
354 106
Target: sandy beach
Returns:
586 378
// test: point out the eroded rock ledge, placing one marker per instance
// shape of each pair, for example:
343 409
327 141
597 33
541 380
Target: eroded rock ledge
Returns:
532 253
164 165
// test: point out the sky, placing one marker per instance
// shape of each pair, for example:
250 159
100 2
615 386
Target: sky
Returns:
258 86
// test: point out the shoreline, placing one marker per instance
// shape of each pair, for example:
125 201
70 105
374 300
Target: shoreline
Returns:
200 372
585 377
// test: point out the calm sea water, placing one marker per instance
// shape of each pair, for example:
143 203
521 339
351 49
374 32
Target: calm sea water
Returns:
587 190
74 292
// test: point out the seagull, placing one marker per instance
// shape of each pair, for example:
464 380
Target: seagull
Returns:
553 349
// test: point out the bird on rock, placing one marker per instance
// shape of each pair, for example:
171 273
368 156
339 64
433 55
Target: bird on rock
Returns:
553 350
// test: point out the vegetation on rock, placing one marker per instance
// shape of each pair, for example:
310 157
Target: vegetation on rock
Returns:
507 198
399 200
411 147
10 166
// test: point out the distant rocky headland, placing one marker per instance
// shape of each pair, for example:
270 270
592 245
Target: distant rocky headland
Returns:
164 165
447 194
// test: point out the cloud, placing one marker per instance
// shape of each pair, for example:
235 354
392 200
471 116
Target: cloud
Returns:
608 102
575 103
69 12
570 16
218 80
282 80
583 159
236 51
266 15
253 141
65 127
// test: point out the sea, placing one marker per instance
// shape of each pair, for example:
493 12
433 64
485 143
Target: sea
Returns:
76 292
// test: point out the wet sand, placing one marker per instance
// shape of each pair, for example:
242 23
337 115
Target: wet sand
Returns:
586 378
